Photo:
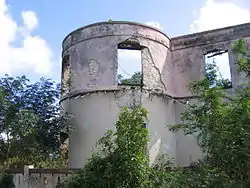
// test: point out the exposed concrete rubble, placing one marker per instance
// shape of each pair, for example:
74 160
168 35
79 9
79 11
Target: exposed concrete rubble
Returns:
94 96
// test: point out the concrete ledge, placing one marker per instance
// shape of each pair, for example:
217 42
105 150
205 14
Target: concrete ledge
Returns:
210 36
80 93
42 170
114 22
114 29
125 88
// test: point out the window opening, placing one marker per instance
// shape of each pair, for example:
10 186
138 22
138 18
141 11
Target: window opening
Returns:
220 59
129 63
66 71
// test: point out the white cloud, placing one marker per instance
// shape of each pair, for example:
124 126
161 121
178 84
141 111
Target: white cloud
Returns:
30 19
32 55
154 24
216 14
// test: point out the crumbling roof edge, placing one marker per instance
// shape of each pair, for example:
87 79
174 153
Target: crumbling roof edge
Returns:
115 22
208 31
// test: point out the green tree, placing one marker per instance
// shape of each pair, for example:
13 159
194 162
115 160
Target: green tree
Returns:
6 180
121 159
221 122
30 122
136 78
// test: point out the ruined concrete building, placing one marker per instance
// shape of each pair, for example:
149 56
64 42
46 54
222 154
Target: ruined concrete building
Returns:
92 93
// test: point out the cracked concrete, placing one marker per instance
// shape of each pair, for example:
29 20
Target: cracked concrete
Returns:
168 65
152 77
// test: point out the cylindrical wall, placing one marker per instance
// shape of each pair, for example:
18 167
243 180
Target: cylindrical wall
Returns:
90 55
94 98
97 112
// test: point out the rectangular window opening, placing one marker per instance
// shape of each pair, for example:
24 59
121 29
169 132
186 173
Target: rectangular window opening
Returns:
129 67
65 76
221 60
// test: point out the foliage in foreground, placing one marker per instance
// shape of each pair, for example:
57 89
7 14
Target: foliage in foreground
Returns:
121 154
221 121
6 180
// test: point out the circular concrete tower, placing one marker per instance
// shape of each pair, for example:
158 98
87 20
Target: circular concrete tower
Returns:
91 93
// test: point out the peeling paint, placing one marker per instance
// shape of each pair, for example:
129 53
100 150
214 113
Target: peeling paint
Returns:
168 65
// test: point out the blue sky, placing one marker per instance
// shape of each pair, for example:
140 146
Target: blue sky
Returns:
31 31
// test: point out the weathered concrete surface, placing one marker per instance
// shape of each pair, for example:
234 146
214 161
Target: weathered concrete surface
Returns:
98 112
168 65
93 54
39 178
188 54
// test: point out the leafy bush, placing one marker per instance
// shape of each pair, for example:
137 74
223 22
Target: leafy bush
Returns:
121 159
221 122
6 180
